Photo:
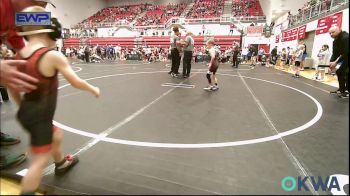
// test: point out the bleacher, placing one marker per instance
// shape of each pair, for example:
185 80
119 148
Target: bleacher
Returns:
155 15
246 8
206 9
160 14
117 13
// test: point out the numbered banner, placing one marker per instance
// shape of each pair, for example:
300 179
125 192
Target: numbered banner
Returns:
324 24
294 34
301 32
336 19
277 38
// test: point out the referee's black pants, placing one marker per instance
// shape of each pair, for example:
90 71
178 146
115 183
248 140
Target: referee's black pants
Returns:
87 56
343 78
175 60
187 63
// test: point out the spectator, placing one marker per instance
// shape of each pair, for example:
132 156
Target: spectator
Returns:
301 42
261 52
245 53
298 58
232 26
340 56
283 58
274 55
323 61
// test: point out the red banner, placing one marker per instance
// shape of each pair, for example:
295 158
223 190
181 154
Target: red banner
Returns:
324 24
336 19
294 35
284 35
288 33
301 32
291 34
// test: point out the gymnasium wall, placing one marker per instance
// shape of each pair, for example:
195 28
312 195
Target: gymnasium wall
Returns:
70 12
214 29
121 32
266 7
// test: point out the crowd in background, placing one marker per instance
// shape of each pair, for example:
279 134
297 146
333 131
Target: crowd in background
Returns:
154 15
159 14
206 9
97 53
112 14
246 8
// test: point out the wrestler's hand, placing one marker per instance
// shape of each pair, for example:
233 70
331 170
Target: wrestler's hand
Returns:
96 92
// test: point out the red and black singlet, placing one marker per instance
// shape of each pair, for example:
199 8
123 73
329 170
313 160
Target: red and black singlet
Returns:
40 104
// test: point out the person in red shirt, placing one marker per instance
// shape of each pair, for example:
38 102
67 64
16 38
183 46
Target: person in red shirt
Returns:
8 29
9 75
232 26
8 33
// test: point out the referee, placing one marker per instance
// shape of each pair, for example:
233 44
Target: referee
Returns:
175 54
188 45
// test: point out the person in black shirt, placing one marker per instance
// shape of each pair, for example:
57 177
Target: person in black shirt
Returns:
175 53
235 53
340 56
87 53
274 55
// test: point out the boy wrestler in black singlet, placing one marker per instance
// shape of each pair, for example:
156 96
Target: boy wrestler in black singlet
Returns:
212 67
37 108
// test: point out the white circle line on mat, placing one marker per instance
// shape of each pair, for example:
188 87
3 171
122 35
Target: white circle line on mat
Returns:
199 145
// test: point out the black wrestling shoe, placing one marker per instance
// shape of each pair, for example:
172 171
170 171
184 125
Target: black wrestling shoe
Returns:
335 92
60 170
344 95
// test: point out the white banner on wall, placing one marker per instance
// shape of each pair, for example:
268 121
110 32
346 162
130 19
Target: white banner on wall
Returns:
256 40
213 29
114 32
311 26
255 31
